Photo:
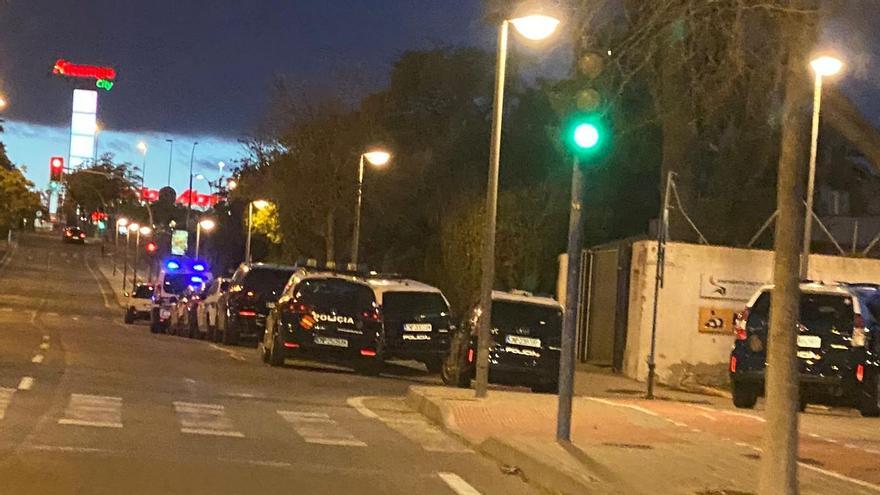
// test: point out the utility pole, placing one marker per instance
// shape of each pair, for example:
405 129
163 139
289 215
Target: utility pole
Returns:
778 470
572 293
189 194
662 233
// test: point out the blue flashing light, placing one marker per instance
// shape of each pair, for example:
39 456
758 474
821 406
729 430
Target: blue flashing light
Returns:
196 280
199 267
172 265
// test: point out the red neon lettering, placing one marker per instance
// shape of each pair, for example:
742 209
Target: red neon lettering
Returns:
66 68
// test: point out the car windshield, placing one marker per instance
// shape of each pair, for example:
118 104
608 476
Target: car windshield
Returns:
820 313
267 280
508 316
398 305
332 295
143 292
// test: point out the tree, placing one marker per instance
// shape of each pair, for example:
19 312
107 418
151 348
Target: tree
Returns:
17 200
101 186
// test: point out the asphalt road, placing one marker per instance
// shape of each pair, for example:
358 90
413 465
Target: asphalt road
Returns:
89 405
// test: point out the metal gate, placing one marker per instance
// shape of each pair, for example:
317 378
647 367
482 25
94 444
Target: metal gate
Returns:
604 303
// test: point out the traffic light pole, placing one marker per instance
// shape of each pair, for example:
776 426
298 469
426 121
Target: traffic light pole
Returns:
662 230
572 293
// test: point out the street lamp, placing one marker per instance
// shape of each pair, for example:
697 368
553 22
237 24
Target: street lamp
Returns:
823 67
206 224
189 202
259 204
377 158
120 222
3 103
170 155
144 230
534 27
142 147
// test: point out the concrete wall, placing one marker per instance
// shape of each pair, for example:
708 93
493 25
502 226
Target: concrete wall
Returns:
704 287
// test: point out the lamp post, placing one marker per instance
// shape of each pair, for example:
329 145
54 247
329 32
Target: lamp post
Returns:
208 225
260 204
121 222
534 27
137 248
189 193
132 227
142 147
377 158
822 67
170 154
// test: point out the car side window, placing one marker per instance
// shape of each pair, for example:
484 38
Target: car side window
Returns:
304 292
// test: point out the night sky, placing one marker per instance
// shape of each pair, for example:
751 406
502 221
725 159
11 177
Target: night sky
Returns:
201 69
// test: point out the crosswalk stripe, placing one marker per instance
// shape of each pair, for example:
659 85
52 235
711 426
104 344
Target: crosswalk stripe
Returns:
458 484
5 399
205 419
93 410
318 428
427 435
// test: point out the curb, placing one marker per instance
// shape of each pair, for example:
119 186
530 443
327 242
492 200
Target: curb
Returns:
7 256
538 472
109 285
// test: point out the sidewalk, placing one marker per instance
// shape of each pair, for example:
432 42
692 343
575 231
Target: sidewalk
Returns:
105 266
619 446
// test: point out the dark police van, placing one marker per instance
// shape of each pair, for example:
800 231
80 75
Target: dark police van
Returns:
836 347
253 290
364 319
526 338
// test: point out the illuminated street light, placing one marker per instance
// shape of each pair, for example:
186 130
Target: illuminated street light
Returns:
141 230
231 184
120 222
259 204
534 26
823 66
207 225
2 102
133 227
145 230
377 158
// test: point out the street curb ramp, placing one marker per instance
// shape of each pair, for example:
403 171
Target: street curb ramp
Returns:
537 462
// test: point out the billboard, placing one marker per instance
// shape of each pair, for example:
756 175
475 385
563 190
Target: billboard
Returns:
179 241
83 125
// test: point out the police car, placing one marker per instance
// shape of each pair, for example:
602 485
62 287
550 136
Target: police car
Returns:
526 337
364 319
176 275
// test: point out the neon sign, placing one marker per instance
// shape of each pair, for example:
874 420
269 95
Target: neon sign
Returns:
200 200
66 68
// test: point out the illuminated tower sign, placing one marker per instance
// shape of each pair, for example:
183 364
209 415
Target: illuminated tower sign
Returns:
84 120
105 77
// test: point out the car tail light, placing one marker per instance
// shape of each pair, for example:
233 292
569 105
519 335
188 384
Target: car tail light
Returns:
82 236
470 355
247 312
291 345
739 324
372 315
368 352
295 307
860 372
733 364
859 335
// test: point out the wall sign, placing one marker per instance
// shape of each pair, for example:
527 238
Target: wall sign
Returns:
716 320
730 288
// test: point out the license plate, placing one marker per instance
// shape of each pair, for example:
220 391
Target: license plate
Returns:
417 327
809 341
416 336
270 305
524 341
331 341
164 314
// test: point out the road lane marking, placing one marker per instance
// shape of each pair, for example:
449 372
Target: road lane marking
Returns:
33 317
37 359
709 416
230 352
205 419
414 427
44 346
26 383
254 462
457 484
731 413
45 338
628 406
358 404
318 428
100 287
99 411
64 448
5 398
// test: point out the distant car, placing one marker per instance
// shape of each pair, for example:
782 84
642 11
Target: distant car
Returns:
837 347
175 276
73 235
359 319
253 291
138 303
206 311
526 339
183 315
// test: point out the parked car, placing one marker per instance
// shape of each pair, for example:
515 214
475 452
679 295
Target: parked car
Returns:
358 319
73 235
138 303
176 275
526 339
253 291
183 316
206 311
837 347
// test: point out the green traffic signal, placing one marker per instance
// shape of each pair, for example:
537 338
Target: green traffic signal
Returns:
586 136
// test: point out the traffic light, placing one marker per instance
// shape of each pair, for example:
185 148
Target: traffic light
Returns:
586 135
56 168
151 248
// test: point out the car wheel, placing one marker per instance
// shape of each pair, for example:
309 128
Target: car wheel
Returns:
129 316
276 352
745 395
434 364
870 398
